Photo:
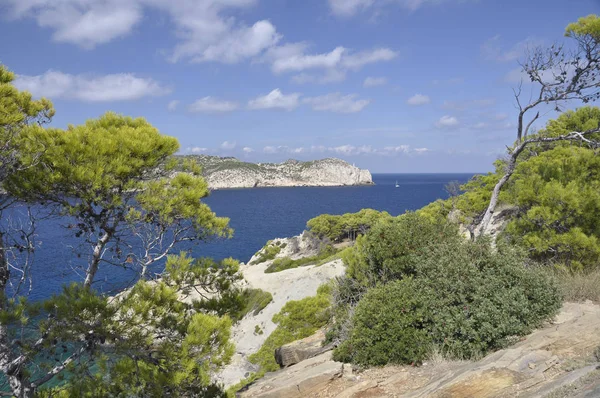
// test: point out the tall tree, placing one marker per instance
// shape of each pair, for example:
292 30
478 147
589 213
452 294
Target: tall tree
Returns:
18 113
558 75
132 204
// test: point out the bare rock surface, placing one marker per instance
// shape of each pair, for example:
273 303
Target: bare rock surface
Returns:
556 361
230 172
292 284
300 350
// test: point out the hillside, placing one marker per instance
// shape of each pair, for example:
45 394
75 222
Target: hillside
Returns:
229 172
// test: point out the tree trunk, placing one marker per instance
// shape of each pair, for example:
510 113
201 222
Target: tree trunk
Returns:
481 229
20 386
96 257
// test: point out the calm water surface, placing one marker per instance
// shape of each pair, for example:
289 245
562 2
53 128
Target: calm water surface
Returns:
257 215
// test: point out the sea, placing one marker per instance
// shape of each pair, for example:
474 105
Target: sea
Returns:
256 215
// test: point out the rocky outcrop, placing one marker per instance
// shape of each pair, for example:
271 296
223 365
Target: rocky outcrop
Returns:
560 360
232 173
284 286
300 350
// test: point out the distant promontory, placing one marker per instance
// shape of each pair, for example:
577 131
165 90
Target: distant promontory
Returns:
229 172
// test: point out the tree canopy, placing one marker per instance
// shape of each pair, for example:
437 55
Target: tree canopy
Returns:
114 176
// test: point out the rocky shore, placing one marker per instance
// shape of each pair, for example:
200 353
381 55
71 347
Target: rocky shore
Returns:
229 172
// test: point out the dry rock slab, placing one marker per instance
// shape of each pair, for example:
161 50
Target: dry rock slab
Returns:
301 380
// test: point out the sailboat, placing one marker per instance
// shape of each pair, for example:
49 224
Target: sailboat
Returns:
397 186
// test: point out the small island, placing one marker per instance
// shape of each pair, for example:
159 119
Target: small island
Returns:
230 172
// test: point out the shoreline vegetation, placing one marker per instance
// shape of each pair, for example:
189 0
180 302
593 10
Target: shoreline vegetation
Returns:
460 279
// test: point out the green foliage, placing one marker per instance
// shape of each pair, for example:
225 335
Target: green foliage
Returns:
388 327
18 112
296 320
463 297
346 226
267 253
393 248
192 347
556 191
254 301
585 28
280 264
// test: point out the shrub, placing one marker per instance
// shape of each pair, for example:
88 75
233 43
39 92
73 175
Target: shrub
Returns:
267 253
281 264
388 327
393 248
464 297
254 301
346 226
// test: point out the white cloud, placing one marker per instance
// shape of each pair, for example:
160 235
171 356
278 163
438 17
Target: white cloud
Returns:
205 29
247 149
492 49
352 150
275 100
91 88
228 145
86 23
374 81
212 105
234 46
300 61
447 122
418 99
197 149
336 102
172 105
358 60
270 149
282 149
348 8
326 67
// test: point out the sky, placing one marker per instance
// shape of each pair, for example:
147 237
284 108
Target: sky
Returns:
406 86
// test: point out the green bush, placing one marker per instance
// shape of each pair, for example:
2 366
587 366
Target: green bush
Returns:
388 327
296 320
254 301
267 253
281 264
463 297
394 246
347 226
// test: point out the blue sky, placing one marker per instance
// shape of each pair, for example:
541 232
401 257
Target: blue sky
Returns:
390 85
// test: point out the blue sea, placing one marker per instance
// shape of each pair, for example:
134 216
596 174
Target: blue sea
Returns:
257 215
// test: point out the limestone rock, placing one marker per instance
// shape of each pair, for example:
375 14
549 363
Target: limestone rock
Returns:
298 351
301 380
232 173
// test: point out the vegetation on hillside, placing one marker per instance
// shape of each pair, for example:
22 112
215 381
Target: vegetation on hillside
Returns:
110 175
347 226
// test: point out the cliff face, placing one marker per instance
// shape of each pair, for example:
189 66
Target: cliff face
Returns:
233 173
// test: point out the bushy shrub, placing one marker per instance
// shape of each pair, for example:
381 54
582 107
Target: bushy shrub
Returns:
346 226
388 327
269 252
393 247
463 297
283 263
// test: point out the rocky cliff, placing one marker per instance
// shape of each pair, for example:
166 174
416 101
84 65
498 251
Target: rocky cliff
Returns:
233 173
